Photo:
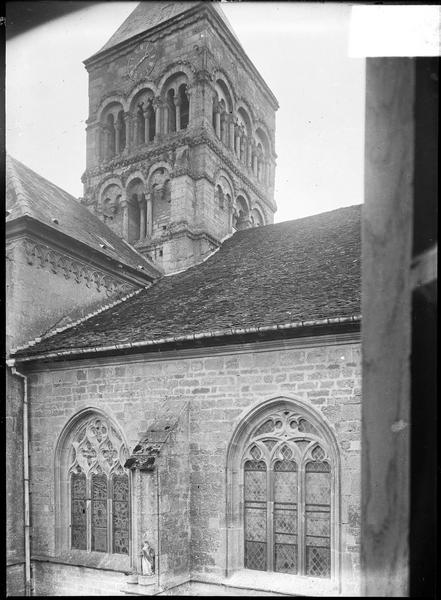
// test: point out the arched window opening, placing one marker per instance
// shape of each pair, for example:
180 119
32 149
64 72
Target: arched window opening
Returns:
171 111
98 487
241 215
111 136
283 493
120 133
160 187
184 105
256 218
140 126
134 217
150 111
110 207
220 197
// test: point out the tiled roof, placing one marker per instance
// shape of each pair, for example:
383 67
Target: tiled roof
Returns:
29 194
307 269
150 14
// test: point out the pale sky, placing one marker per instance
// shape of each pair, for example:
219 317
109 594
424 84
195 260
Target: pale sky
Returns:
300 49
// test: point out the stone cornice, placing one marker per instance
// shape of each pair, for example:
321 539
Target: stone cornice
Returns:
190 137
235 347
180 229
78 251
59 263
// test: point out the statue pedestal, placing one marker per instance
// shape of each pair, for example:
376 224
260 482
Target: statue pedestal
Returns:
146 579
140 585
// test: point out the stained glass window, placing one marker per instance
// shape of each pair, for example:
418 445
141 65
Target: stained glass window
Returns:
99 489
255 515
120 514
287 498
99 513
78 511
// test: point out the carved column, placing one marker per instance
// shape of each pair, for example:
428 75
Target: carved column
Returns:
142 217
149 218
157 107
147 113
135 130
125 212
177 101
231 140
250 155
254 162
223 128
117 136
165 118
217 123
237 140
128 124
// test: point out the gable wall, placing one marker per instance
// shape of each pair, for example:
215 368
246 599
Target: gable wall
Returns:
44 285
218 389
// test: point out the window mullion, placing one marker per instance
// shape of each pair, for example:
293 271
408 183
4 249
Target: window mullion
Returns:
269 520
109 515
301 523
89 514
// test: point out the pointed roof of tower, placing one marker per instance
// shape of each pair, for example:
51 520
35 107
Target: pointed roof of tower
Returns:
31 195
148 15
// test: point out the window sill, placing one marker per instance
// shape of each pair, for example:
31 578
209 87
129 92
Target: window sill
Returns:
282 583
91 560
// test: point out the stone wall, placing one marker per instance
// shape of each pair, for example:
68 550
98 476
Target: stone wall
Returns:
218 389
52 579
41 293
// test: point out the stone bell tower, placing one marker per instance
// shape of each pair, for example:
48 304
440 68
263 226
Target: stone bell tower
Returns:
180 134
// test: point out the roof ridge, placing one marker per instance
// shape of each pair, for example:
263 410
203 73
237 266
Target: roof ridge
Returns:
94 313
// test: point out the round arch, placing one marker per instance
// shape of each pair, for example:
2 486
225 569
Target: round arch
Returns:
252 423
144 85
114 99
184 68
220 74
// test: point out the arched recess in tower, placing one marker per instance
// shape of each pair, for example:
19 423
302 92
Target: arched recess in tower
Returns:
143 117
222 111
113 128
136 210
176 103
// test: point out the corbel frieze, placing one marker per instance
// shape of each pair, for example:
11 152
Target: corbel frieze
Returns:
42 256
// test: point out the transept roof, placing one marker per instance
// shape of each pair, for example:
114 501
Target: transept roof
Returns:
31 195
297 271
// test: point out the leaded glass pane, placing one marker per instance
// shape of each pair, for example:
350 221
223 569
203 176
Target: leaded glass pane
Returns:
255 498
78 511
120 514
318 516
99 513
285 517
318 562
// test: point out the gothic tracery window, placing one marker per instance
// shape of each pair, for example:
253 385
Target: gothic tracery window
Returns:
287 475
99 489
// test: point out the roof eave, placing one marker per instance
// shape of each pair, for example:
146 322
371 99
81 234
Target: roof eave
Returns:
29 224
312 324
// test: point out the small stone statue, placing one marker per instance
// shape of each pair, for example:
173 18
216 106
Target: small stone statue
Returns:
147 559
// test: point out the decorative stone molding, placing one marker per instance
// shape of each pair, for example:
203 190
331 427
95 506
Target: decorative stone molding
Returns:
42 256
203 136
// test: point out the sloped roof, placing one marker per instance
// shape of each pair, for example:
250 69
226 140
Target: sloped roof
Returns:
301 270
146 16
29 194
150 14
